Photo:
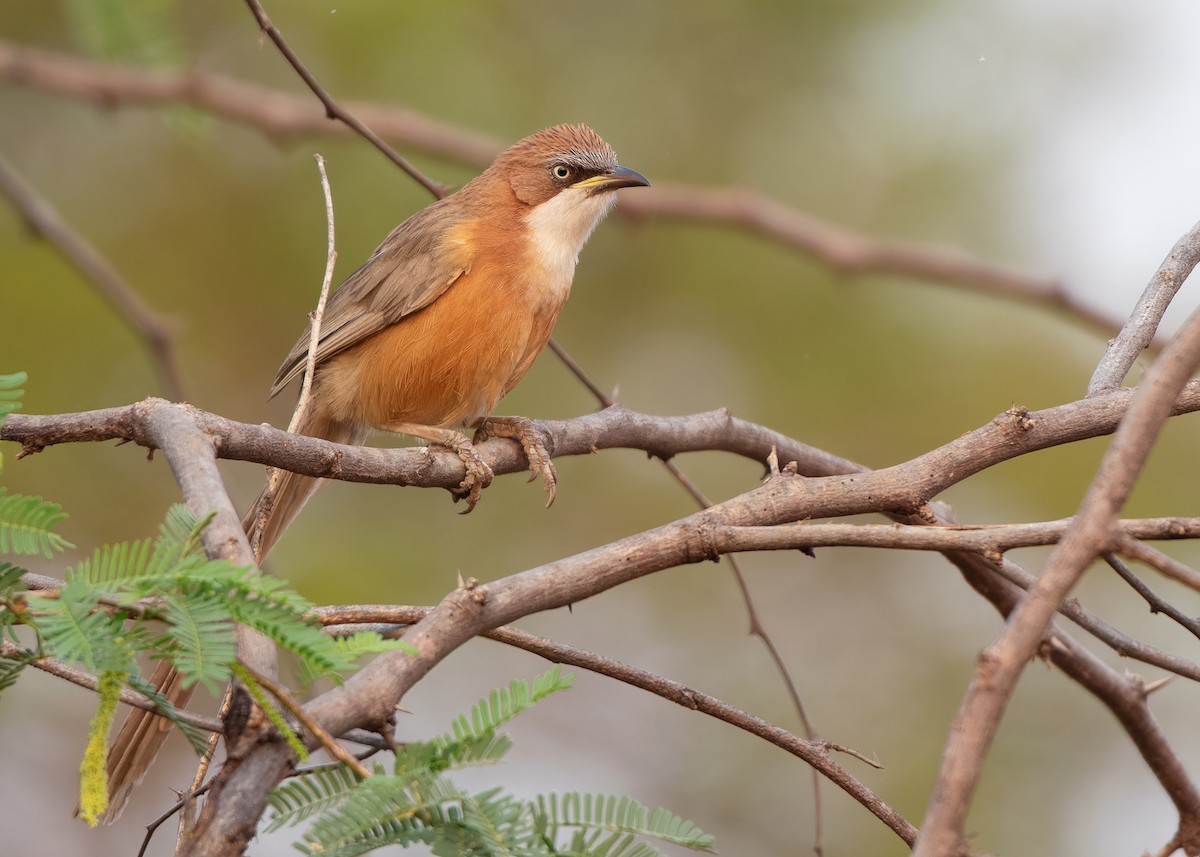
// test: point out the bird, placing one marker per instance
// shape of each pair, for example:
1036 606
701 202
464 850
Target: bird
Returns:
427 336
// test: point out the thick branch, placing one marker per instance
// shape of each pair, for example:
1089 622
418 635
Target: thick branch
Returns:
1001 664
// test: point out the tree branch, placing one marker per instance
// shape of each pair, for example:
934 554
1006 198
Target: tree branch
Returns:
1001 663
281 114
1138 333
83 678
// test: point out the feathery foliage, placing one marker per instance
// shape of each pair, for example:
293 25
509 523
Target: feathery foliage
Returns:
26 524
160 597
11 393
417 803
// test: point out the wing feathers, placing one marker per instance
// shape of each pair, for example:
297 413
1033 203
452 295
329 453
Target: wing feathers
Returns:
412 268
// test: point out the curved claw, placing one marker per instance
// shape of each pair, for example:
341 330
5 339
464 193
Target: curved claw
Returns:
521 430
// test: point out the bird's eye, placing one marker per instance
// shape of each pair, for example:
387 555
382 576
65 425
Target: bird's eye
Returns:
561 172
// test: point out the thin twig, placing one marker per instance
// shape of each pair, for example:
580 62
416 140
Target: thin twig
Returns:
130 697
147 325
673 691
153 826
199 790
757 629
335 111
1132 546
1156 602
314 728
1138 333
315 319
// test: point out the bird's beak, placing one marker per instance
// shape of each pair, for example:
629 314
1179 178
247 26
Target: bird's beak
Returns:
613 179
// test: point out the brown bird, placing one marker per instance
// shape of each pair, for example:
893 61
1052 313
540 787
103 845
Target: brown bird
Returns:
451 310
429 334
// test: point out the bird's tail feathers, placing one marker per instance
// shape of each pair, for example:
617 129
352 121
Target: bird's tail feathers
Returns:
266 520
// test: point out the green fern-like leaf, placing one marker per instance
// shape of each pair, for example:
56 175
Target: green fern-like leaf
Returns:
306 795
10 578
356 646
72 629
26 524
612 814
383 810
183 529
197 737
503 704
11 393
110 567
11 668
202 643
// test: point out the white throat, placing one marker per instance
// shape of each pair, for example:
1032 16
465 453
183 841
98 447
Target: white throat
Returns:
560 226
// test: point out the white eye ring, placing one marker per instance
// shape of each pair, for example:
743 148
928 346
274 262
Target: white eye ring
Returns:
561 172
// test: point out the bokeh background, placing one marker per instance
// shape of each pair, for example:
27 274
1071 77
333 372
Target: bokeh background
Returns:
1057 139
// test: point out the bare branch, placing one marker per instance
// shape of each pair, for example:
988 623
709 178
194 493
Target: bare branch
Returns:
272 111
332 109
315 319
1002 663
1138 333
1156 559
323 738
147 325
83 678
1124 695
282 114
815 753
1157 603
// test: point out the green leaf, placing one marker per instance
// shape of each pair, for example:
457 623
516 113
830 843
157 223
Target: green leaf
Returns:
196 736
11 393
12 666
305 795
183 529
71 628
25 525
503 704
615 815
356 646
10 578
202 641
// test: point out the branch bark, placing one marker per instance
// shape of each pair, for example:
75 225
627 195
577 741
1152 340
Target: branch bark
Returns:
1001 664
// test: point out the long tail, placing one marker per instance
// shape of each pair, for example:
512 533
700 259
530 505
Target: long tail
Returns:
143 732
263 525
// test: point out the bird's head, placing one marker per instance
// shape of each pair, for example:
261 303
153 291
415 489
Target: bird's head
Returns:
561 182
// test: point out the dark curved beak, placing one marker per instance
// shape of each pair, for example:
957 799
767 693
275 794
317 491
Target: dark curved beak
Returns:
615 178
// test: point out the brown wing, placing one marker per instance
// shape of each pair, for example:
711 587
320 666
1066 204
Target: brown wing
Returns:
411 269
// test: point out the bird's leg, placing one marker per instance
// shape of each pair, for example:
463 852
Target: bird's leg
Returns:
521 429
478 473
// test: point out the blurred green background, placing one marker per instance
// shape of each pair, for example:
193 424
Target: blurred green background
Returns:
1047 137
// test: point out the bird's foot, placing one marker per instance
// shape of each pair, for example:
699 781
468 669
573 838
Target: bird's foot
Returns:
478 474
521 430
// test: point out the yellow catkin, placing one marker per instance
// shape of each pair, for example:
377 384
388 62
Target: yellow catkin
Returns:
93 779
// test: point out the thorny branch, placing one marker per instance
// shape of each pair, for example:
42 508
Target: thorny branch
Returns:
764 518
